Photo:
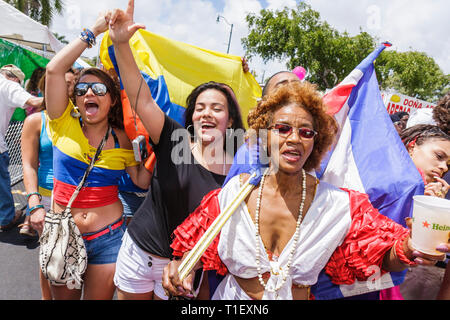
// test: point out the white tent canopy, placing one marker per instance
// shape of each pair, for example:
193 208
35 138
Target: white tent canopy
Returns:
15 24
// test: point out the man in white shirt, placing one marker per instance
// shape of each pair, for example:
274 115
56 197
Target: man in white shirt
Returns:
12 96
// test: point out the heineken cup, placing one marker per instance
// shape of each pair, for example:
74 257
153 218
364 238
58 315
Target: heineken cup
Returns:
431 224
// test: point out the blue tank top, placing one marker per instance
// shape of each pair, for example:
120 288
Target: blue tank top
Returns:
45 170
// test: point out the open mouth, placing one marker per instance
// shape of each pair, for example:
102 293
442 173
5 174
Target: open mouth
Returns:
208 126
291 155
91 108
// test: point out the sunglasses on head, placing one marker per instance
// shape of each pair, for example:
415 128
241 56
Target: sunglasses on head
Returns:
98 88
286 130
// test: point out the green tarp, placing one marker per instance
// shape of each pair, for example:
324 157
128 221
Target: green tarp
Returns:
26 60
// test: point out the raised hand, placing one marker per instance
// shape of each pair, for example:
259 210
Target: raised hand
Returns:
102 23
438 188
122 25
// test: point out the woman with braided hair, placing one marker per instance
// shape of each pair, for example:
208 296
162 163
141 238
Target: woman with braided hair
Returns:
429 148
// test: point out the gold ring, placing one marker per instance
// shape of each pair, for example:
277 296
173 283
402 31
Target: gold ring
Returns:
439 194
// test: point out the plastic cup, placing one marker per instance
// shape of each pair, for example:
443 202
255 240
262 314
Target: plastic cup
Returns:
431 224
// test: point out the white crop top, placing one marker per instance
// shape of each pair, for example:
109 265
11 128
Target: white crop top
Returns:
323 229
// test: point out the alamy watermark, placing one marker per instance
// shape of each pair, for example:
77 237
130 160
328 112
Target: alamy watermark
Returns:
230 142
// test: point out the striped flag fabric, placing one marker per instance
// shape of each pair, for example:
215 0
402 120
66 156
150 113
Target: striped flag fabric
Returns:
172 69
369 157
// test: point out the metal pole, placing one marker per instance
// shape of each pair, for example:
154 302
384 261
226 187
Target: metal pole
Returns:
229 40
231 30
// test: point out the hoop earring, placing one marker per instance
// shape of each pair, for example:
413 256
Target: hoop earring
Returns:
75 113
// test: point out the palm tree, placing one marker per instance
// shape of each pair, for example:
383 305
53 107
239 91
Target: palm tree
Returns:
39 10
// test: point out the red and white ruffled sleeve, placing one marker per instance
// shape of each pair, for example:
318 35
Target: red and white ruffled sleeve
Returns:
371 235
187 234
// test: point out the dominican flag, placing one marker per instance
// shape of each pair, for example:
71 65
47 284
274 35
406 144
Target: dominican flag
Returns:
368 157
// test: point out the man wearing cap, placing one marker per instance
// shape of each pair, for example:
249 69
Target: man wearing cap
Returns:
12 96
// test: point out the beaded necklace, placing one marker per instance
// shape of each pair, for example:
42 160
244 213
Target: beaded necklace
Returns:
296 234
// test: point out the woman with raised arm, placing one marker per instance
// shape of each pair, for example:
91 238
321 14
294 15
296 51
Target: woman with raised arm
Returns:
291 226
190 162
97 210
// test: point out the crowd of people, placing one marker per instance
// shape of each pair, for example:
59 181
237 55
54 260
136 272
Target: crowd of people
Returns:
138 225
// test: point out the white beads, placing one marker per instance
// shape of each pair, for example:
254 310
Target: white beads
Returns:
296 235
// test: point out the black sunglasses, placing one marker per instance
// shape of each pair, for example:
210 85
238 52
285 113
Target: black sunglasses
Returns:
286 130
98 88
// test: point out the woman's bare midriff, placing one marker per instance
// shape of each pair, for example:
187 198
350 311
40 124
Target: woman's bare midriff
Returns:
255 290
93 219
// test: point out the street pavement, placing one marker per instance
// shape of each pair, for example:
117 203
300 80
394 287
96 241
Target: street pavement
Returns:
19 259
19 266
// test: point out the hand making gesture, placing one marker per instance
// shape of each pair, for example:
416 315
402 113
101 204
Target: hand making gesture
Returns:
122 25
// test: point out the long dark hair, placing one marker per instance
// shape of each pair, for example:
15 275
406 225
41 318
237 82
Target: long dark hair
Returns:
33 83
115 115
234 111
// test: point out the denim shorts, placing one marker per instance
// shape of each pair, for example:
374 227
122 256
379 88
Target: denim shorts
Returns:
104 249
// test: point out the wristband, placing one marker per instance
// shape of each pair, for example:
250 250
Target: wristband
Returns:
398 249
88 37
39 206
34 193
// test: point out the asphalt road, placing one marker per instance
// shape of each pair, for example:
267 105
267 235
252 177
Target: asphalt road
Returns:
19 262
19 266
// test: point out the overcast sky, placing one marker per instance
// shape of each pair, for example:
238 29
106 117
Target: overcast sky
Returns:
421 25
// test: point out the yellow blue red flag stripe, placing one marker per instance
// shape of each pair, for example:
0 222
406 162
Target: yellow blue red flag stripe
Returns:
172 69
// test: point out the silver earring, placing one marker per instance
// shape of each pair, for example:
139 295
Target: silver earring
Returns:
75 113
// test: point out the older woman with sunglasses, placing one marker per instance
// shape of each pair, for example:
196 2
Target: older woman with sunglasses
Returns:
291 226
76 132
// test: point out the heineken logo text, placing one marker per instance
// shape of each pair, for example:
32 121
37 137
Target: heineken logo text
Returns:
436 226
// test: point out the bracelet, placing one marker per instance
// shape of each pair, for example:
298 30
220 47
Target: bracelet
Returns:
400 254
88 37
39 206
34 193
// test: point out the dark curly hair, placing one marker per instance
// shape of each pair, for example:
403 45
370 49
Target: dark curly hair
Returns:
306 96
115 115
441 113
420 133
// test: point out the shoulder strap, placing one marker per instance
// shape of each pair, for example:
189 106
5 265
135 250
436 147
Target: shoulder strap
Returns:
43 121
89 168
116 140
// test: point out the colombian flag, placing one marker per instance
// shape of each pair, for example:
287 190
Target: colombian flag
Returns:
172 69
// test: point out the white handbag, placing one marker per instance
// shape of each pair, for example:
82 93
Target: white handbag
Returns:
62 253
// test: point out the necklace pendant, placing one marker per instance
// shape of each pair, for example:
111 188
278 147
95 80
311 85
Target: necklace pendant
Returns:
285 273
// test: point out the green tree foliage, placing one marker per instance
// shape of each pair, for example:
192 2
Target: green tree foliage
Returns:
300 37
412 73
42 11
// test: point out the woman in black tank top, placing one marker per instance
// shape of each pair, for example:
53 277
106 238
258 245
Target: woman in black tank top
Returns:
190 162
